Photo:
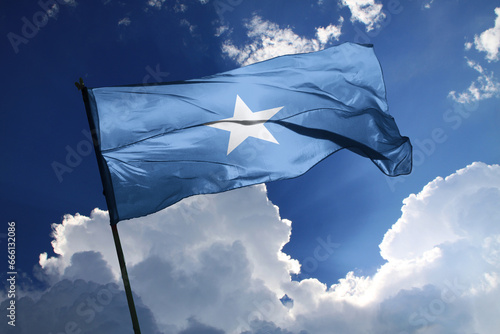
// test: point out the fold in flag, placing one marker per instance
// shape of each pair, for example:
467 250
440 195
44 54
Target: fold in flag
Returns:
268 121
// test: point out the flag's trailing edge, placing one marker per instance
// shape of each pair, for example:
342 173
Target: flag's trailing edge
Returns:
273 120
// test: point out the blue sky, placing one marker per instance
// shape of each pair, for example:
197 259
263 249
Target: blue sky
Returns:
441 68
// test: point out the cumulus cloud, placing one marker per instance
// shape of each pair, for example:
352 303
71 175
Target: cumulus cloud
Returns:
269 41
489 41
484 87
213 264
221 253
367 12
441 273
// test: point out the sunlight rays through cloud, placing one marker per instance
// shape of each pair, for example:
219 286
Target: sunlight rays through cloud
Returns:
216 262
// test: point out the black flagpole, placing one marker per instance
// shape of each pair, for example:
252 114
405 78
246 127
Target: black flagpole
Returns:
126 283
121 259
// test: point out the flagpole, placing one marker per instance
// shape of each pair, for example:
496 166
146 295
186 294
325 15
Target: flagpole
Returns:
126 282
121 259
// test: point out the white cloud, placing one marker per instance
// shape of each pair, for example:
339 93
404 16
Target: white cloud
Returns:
367 12
428 3
220 252
221 30
269 41
441 271
212 264
155 3
329 33
484 87
489 41
125 21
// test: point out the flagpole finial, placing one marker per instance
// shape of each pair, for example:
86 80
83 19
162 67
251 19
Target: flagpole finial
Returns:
80 84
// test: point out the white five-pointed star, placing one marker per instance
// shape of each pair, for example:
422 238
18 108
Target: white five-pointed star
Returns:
246 123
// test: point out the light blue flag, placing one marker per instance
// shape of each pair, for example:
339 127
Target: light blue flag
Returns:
268 121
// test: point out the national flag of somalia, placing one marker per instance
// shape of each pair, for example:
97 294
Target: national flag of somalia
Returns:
267 121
